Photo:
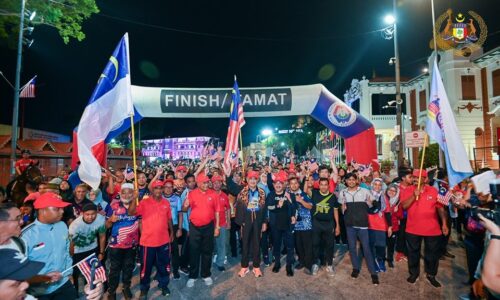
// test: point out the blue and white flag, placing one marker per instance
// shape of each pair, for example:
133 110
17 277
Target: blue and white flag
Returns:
442 128
108 111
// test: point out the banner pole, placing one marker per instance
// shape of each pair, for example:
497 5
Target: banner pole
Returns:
134 155
421 164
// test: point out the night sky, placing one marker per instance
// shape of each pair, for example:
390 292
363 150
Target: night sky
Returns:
203 43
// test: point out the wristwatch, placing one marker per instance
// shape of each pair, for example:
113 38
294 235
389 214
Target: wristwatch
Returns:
494 236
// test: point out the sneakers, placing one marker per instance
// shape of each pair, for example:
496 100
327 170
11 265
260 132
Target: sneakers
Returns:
243 272
355 273
412 279
257 272
165 292
299 266
377 268
276 267
190 282
289 271
266 261
432 280
127 293
400 257
184 271
330 271
381 265
315 269
208 281
375 279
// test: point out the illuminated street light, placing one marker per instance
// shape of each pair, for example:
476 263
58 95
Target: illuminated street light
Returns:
389 19
267 132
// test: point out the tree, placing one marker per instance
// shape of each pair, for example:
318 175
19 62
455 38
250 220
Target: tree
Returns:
431 156
66 16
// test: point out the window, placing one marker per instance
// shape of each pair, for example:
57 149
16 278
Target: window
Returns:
496 82
380 143
422 100
468 87
380 100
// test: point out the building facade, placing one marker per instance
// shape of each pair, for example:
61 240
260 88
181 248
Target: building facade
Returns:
473 88
175 148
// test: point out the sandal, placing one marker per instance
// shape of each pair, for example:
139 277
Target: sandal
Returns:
243 272
257 272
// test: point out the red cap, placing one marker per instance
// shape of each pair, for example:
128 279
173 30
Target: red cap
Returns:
253 174
50 200
281 176
168 181
416 173
202 177
217 178
157 183
180 168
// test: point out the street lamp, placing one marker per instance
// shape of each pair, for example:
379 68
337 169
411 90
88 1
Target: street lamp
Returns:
267 132
391 32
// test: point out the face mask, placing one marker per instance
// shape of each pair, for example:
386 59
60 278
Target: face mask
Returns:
125 201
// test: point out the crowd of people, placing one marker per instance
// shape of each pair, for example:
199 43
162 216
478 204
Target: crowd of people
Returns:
185 219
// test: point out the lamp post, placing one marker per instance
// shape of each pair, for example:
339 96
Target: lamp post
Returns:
15 110
391 20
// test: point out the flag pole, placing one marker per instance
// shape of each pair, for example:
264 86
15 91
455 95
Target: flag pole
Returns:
136 188
422 164
242 155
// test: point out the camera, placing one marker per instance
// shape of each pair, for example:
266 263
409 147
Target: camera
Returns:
491 214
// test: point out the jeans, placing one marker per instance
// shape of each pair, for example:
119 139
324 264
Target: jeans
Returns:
122 263
474 246
201 247
353 234
378 243
220 247
155 256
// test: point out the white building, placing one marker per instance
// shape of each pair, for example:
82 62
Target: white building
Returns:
473 88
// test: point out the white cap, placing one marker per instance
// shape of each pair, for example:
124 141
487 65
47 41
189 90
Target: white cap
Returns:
127 186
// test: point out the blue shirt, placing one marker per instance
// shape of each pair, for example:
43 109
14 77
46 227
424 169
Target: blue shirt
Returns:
185 217
48 243
176 207
304 221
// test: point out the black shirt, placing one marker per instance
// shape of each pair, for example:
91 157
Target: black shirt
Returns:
280 217
323 206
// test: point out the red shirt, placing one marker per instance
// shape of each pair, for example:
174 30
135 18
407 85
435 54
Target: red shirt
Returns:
156 217
203 206
422 214
223 207
23 164
377 221
332 185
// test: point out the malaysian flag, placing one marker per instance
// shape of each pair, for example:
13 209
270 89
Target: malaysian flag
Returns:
236 121
28 90
444 195
129 173
85 266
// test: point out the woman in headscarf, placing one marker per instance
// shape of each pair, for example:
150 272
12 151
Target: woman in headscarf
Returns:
66 192
96 197
379 223
392 193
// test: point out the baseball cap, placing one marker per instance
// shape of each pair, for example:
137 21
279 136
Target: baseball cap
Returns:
217 178
202 177
157 183
127 186
281 176
16 266
253 174
180 168
416 173
168 181
49 200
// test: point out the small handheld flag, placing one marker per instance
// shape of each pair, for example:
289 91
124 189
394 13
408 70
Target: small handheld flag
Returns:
85 266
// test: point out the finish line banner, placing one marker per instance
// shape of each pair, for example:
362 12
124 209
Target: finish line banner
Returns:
314 100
